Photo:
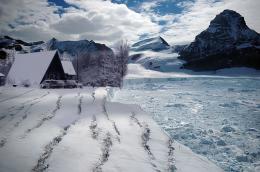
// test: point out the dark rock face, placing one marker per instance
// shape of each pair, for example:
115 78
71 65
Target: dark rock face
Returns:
178 48
74 47
135 57
8 42
228 42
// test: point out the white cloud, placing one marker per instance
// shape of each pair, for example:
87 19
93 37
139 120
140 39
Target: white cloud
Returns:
148 6
29 11
107 22
30 19
197 16
30 32
99 20
76 24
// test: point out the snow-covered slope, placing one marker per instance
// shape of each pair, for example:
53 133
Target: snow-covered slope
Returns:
165 64
79 130
164 61
227 42
155 54
155 44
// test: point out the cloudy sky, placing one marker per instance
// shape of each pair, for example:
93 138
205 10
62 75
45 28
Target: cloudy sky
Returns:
108 21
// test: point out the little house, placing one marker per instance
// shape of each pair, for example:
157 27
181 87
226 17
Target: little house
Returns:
34 68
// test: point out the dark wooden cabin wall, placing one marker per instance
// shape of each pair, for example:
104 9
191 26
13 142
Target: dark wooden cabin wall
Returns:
55 70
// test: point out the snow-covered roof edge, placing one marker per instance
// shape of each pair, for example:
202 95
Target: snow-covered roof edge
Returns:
68 67
30 67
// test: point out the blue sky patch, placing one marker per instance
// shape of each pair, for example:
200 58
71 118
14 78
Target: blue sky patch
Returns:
163 8
61 3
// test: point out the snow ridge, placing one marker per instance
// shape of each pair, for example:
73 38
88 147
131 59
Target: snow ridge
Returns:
113 122
155 44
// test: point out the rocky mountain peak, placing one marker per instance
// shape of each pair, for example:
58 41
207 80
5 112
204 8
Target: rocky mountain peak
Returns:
229 18
227 34
231 23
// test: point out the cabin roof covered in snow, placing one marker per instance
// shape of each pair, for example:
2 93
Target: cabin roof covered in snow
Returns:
68 67
1 75
30 67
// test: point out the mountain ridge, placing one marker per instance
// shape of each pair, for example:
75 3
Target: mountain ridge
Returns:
154 44
227 42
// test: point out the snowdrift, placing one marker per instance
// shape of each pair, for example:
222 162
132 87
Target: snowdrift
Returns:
79 130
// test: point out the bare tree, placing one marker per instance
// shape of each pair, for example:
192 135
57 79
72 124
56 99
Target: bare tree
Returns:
103 67
122 54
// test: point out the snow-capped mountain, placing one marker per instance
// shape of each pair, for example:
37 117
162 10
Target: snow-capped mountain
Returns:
8 42
227 42
71 47
155 44
156 54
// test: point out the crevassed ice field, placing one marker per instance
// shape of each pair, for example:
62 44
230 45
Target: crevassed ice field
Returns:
216 117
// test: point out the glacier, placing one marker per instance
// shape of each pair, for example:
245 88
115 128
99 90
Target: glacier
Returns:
217 117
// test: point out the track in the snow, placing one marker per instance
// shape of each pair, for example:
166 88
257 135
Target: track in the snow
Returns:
107 141
42 164
3 141
52 115
133 118
80 104
107 116
171 159
93 96
16 96
145 137
13 110
106 147
95 130
26 112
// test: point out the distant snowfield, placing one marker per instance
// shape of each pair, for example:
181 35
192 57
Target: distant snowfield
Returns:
78 130
165 64
138 71
217 117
